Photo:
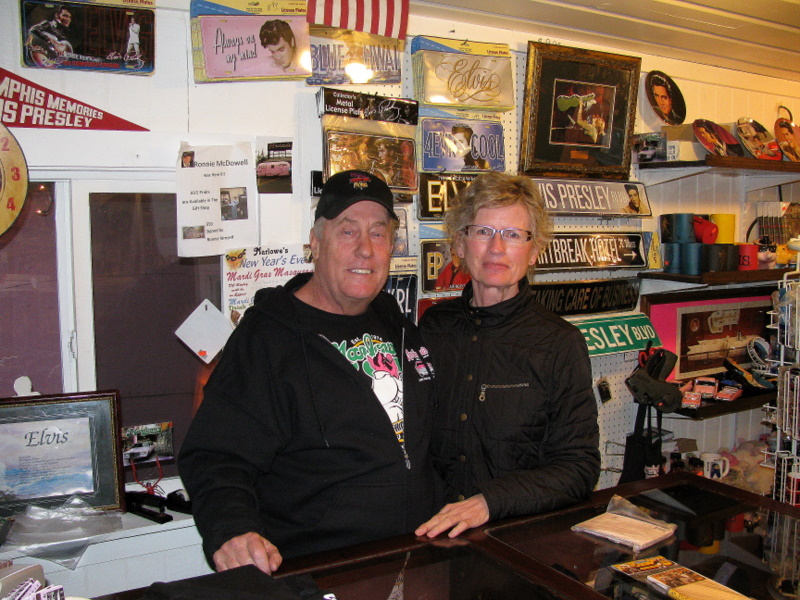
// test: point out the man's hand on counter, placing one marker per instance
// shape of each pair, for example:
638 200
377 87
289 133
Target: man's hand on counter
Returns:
248 549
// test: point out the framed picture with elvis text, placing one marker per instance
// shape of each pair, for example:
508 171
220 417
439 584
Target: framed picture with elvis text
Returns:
58 446
578 113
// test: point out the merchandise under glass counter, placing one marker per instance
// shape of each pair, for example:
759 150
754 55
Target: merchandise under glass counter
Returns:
748 543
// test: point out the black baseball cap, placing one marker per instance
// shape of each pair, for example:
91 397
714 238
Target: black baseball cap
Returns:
345 188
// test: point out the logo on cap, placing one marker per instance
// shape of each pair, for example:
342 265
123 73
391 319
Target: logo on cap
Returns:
359 182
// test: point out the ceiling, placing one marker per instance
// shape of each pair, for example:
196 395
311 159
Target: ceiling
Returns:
755 36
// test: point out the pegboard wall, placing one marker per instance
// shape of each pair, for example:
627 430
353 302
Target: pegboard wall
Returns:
616 415
714 193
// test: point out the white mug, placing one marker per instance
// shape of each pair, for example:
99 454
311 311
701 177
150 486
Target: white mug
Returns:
715 466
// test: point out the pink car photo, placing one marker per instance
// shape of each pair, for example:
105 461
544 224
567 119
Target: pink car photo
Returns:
273 168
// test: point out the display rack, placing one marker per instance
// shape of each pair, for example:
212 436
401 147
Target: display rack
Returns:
786 413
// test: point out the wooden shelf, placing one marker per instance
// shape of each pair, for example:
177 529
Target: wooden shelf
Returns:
717 409
726 162
758 174
719 277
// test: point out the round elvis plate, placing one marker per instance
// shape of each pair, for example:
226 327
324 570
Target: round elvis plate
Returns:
757 140
788 136
665 98
716 139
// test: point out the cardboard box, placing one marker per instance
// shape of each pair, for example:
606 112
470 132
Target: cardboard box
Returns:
682 145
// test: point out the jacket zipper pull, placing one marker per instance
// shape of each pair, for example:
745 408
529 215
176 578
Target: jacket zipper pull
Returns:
482 396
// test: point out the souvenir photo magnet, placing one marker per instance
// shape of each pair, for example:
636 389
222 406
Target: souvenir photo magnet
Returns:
758 142
716 139
665 98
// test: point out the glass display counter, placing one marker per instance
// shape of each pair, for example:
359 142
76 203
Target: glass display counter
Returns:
743 541
746 542
439 570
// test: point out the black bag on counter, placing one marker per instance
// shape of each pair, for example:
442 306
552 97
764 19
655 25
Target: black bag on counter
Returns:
642 447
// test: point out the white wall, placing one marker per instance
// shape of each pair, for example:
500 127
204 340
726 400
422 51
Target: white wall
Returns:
174 108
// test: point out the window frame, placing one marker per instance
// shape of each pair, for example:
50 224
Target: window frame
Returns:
82 343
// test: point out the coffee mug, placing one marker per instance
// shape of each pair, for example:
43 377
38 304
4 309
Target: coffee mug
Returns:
705 231
715 466
748 257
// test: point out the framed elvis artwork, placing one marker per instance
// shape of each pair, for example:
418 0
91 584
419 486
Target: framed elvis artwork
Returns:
59 446
578 113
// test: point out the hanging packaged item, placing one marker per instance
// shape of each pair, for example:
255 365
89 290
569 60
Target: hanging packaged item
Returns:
460 141
250 42
463 74
86 36
341 56
370 133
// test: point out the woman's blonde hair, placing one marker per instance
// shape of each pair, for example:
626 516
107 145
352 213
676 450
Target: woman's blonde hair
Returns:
495 190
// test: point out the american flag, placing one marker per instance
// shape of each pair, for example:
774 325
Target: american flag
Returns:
382 17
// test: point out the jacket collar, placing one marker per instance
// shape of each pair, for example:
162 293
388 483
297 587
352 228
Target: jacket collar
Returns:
278 301
496 314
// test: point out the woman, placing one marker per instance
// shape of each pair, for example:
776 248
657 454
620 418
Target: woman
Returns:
386 166
516 430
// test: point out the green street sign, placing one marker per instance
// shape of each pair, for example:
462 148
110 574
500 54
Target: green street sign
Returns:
610 335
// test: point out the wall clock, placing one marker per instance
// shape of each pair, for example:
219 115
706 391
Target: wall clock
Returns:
13 179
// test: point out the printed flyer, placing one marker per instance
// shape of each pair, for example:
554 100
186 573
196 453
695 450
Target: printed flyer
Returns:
247 270
217 199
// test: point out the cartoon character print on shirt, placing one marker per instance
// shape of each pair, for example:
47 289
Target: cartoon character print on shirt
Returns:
378 360
388 387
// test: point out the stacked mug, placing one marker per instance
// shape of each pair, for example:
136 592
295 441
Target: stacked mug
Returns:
695 244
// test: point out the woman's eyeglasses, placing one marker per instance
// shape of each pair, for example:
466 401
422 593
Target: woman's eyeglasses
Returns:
484 233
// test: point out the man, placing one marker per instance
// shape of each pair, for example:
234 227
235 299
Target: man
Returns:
315 425
788 141
593 125
461 139
225 205
752 138
48 41
712 141
277 37
634 201
662 94
132 51
587 125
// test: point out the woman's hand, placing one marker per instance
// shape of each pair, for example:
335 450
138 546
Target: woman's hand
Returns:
459 516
